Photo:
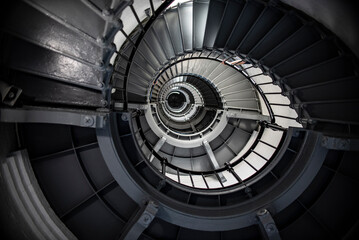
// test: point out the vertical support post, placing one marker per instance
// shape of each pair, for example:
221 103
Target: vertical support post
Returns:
152 8
157 147
163 165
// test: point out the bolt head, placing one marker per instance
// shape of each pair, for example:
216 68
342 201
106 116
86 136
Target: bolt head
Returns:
109 68
324 141
88 121
103 102
118 24
100 64
11 95
343 144
270 227
101 40
106 12
146 218
262 212
124 117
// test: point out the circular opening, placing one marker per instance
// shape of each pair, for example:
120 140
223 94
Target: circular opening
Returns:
202 123
176 100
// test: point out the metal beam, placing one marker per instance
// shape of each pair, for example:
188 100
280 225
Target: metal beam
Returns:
90 119
267 225
305 167
134 106
157 147
184 143
273 126
245 114
213 159
139 221
193 127
340 143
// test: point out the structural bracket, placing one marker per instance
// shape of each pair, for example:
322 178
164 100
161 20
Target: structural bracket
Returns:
158 146
245 114
267 225
273 126
88 119
9 93
119 106
139 221
213 159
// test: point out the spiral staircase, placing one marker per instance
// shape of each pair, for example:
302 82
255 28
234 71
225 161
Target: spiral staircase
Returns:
204 119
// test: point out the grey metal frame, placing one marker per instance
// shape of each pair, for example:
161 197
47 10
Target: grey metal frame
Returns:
89 119
139 221
275 199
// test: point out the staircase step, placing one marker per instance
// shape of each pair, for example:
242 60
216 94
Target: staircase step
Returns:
306 35
42 30
162 32
314 54
152 42
248 104
41 90
263 24
85 20
200 12
245 95
214 17
335 89
322 73
173 26
185 12
230 17
281 31
249 15
43 62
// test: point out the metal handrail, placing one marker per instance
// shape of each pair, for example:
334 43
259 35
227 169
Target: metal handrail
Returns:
228 166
